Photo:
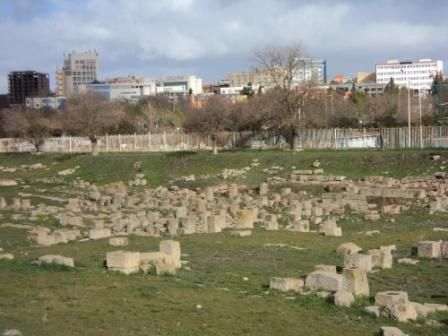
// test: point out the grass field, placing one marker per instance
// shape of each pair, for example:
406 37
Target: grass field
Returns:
88 300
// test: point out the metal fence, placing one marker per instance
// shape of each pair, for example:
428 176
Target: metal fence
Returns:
387 138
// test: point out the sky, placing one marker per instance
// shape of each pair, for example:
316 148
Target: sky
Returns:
211 38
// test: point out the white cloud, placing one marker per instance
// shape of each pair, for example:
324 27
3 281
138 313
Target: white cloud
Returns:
136 33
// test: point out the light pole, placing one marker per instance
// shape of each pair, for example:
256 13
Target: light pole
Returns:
420 116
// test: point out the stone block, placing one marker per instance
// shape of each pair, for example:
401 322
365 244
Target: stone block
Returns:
245 219
348 248
271 222
41 236
171 248
322 280
362 261
391 297
6 256
326 268
263 190
343 298
241 233
381 258
402 312
355 281
429 249
99 233
301 226
391 331
216 223
165 268
444 249
118 241
57 260
286 284
123 262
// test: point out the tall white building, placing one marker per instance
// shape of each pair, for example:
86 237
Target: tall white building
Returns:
78 69
179 86
417 75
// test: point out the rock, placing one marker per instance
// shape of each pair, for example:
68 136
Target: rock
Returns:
286 284
316 164
402 312
322 280
391 297
11 332
343 299
373 310
355 281
362 261
56 259
67 172
7 256
8 183
172 249
99 233
381 258
408 261
326 268
123 262
348 248
391 331
118 241
241 233
429 249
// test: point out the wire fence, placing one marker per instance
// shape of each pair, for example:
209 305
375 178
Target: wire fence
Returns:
387 138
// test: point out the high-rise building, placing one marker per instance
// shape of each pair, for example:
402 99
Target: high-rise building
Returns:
417 75
78 69
23 84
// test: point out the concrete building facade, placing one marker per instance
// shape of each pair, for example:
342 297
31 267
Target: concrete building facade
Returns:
417 75
78 69
309 71
45 102
23 84
179 86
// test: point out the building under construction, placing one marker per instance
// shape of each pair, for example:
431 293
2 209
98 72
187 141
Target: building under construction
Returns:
23 84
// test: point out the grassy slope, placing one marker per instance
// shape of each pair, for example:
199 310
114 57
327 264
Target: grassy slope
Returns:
90 301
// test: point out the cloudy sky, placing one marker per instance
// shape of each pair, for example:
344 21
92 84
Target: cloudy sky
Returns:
211 38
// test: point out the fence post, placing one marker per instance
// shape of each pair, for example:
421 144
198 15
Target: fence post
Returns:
335 142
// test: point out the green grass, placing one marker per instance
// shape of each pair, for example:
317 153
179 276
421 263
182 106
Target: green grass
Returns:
88 300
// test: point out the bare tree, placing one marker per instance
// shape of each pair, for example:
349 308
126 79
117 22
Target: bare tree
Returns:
90 115
283 63
30 124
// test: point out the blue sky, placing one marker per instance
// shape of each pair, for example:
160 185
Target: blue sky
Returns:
211 38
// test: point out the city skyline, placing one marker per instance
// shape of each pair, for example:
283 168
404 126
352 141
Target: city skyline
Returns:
213 39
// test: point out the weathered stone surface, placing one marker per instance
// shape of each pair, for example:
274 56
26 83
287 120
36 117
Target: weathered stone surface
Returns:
322 280
286 284
326 268
41 236
343 298
391 297
362 261
11 332
429 249
373 310
271 222
6 256
99 233
171 248
444 249
241 233
403 312
8 183
118 241
391 331
123 262
348 248
56 259
263 190
381 258
245 219
355 281
215 223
